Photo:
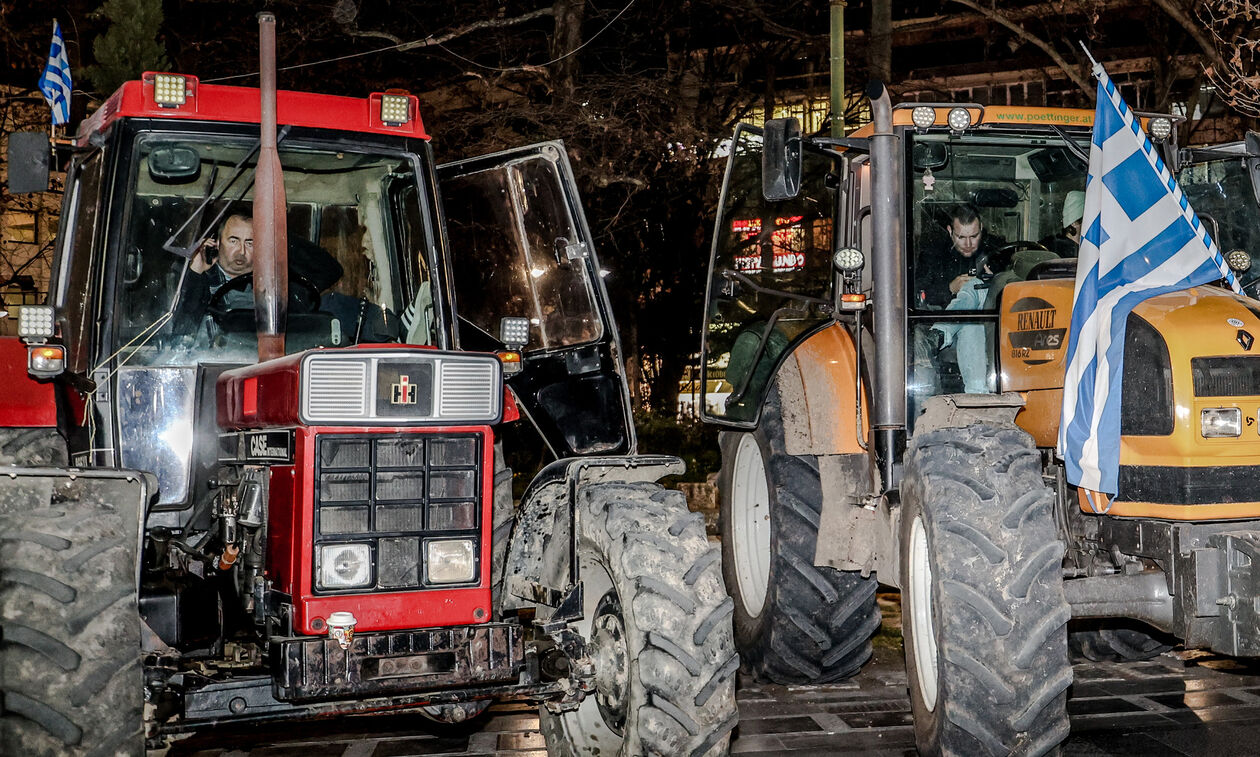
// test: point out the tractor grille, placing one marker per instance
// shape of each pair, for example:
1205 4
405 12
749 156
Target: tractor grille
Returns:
395 493
1226 376
338 388
1146 404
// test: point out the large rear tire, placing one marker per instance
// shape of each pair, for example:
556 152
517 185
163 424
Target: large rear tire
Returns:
70 659
794 622
656 620
983 611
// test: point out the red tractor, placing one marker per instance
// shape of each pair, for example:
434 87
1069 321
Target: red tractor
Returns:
191 534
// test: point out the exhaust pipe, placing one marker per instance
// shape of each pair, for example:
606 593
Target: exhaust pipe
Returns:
888 414
271 238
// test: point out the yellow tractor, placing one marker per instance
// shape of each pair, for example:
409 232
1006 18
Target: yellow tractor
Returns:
891 314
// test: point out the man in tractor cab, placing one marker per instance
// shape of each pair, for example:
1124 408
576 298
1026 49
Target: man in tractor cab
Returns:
219 259
229 254
943 272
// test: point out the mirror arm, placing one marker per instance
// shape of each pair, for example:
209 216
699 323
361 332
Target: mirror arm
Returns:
736 275
856 144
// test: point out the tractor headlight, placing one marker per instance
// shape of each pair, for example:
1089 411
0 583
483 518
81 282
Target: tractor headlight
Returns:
848 260
1217 422
1159 128
395 109
345 566
36 322
450 561
1238 260
923 116
959 119
170 90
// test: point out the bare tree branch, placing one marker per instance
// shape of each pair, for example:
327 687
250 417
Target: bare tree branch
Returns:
491 23
1024 34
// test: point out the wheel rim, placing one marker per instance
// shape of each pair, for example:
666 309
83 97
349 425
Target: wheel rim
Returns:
750 525
923 633
595 723
611 656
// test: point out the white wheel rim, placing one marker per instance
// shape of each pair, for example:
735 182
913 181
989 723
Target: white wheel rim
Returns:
586 725
750 525
923 635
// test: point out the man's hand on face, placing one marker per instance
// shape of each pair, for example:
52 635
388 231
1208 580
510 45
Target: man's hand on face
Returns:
205 255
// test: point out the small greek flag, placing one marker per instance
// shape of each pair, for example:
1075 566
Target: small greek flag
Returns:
56 83
1141 239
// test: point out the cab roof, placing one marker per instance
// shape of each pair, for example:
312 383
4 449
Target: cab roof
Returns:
227 104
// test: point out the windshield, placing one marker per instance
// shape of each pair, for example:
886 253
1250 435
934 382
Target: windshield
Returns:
359 251
1220 192
978 200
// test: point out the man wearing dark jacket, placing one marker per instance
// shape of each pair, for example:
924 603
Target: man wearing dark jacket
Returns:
942 272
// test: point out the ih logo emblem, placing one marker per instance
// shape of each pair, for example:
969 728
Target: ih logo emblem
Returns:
404 392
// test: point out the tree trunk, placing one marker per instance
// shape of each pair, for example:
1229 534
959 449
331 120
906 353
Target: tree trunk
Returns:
567 39
879 52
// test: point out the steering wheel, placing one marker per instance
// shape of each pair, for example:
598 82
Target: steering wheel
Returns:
304 298
999 259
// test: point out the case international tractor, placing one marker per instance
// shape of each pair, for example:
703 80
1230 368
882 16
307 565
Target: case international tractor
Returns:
190 535
854 456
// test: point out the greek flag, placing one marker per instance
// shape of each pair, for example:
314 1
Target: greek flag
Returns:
55 83
1141 239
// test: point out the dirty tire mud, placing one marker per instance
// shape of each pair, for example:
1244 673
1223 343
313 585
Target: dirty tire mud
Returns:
1116 641
794 622
69 663
983 611
32 447
658 630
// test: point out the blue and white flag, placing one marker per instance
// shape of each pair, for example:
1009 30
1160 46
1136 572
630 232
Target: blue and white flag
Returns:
55 83
1141 239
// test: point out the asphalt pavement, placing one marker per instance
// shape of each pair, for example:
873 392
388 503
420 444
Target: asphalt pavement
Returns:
1180 703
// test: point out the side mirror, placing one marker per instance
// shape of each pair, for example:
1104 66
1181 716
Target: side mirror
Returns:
174 164
781 159
1253 162
29 153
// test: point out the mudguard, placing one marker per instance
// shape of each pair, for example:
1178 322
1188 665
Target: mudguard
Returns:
27 402
540 555
817 386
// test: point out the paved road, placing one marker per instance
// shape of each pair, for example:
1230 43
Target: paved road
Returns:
1177 704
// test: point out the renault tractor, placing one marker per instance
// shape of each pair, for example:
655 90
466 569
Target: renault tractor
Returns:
873 435
256 515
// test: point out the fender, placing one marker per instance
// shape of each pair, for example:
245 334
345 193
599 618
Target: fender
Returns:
538 571
817 385
26 402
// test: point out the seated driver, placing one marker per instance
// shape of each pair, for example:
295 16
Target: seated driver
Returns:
221 258
943 272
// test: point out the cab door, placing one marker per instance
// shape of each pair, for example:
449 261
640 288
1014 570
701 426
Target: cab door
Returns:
519 246
770 278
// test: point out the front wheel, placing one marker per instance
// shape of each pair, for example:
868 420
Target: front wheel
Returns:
983 611
657 624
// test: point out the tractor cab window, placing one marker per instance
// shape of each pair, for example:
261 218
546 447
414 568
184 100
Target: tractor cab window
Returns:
985 210
1220 191
516 251
770 277
358 251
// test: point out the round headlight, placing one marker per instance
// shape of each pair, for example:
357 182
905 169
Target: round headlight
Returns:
923 116
959 119
1159 128
1238 260
848 260
345 566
